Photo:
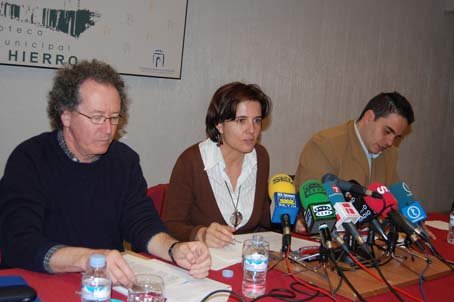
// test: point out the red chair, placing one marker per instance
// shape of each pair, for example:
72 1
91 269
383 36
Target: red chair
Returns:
157 193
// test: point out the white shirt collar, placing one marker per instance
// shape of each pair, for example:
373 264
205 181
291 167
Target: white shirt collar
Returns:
368 154
212 156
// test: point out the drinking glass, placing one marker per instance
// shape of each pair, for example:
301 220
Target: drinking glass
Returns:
147 288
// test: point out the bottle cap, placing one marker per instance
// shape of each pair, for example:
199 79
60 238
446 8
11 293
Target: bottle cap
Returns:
257 239
97 260
227 273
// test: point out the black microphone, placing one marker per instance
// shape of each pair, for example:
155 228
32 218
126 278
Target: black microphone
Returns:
405 226
341 241
325 237
349 187
367 214
393 237
351 229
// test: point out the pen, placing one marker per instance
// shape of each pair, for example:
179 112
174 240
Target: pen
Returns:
236 241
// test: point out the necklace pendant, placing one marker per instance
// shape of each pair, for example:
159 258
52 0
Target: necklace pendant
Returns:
236 218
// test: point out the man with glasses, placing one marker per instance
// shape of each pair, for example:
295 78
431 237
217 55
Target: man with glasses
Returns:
76 191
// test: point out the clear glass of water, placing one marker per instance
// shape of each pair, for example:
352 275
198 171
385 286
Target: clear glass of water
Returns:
147 288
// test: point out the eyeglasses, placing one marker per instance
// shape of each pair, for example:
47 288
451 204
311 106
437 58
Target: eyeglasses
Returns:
100 119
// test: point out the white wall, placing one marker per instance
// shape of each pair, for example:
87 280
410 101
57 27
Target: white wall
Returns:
320 62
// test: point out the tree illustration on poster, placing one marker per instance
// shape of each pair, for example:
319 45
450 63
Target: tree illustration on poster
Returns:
136 37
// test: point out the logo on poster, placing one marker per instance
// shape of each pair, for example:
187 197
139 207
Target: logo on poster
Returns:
158 58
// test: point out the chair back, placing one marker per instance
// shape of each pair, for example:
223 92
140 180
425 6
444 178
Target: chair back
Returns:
157 193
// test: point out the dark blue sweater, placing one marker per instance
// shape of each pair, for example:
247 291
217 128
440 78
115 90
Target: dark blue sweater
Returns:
46 199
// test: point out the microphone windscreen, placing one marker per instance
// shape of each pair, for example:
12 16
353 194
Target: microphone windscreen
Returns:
384 205
312 191
281 183
402 193
334 192
329 177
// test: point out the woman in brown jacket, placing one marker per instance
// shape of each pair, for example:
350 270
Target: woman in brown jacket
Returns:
218 187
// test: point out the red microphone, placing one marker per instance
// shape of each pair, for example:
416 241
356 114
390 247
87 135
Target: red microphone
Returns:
384 205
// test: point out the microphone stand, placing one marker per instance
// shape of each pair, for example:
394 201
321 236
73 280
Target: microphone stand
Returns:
350 228
342 254
371 241
323 260
327 254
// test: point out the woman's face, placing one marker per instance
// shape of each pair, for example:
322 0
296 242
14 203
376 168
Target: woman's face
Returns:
240 134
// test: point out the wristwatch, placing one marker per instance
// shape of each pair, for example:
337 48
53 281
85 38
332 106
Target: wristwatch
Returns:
171 251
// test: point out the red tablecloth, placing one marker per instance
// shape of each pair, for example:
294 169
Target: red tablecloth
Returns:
65 287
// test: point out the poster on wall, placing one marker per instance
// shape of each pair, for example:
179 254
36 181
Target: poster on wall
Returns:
136 37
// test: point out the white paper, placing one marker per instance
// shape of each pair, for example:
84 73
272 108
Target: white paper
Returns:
438 224
178 284
230 255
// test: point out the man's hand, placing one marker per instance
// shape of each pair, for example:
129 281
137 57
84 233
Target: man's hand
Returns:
193 256
76 259
216 235
118 269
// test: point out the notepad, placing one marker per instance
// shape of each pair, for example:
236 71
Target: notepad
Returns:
178 284
438 224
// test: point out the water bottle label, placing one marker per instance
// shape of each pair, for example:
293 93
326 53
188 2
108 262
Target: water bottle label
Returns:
96 292
256 262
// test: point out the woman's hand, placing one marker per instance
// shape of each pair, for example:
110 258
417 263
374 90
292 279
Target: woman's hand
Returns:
216 235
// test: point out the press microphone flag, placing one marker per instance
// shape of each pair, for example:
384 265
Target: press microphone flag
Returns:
365 212
318 211
345 211
284 204
410 208
334 192
282 193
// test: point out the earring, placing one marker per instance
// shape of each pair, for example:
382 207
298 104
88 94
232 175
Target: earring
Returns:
219 139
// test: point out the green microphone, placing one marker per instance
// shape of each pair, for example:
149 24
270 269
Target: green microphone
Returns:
318 210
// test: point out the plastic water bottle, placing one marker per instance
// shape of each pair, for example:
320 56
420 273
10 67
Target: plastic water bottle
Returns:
96 287
451 227
255 266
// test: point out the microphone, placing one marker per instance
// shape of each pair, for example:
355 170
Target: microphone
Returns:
410 208
388 207
318 210
345 211
348 186
367 214
385 203
283 206
325 237
351 229
405 226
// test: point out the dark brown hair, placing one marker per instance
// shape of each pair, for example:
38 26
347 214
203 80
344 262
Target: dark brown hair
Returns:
224 103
